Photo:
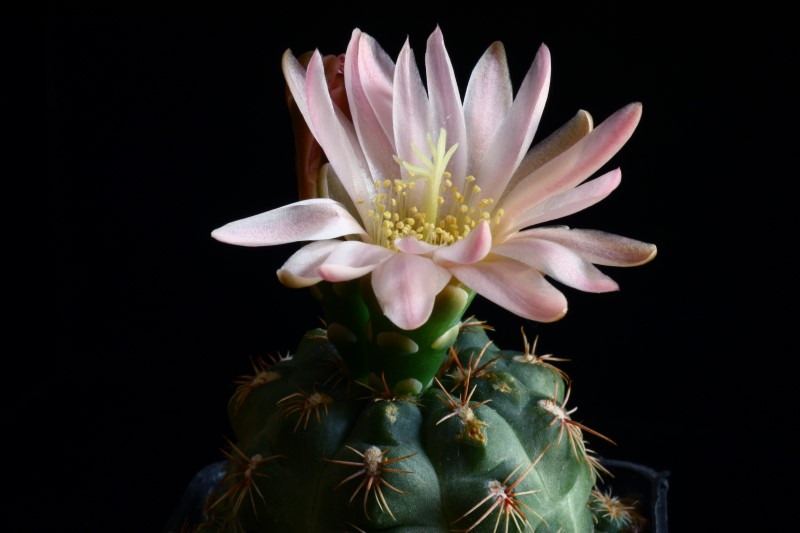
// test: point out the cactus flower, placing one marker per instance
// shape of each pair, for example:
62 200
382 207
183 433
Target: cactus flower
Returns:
422 188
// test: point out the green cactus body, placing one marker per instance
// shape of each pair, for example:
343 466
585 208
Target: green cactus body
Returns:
328 440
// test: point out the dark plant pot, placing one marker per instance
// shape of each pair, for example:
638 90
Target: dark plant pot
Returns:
631 482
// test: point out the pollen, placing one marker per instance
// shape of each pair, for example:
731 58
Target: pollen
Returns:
428 204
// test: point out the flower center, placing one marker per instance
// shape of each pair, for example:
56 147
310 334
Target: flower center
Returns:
428 206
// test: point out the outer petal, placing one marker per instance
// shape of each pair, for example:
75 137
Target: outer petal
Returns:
309 154
598 247
368 80
516 287
515 135
445 100
557 142
569 202
406 286
300 270
486 103
466 251
295 74
572 166
307 220
558 262
337 137
352 259
330 186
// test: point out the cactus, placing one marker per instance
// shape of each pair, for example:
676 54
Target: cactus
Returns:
401 415
487 446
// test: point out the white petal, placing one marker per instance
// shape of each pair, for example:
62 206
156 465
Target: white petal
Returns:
486 102
410 108
367 81
330 186
412 245
295 75
599 247
352 259
514 286
553 145
406 286
569 202
300 270
307 220
473 248
376 72
515 134
445 104
572 166
337 137
558 262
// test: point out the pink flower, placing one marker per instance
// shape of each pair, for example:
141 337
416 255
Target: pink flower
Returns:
424 189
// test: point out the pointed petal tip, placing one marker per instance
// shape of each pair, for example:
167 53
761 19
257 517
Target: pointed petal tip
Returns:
556 317
586 118
634 108
543 52
294 281
653 251
221 234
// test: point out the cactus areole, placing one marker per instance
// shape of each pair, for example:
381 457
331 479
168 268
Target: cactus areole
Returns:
401 414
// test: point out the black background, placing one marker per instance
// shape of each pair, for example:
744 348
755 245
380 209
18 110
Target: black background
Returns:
164 128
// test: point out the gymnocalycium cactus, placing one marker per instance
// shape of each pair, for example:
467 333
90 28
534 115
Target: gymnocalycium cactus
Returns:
401 414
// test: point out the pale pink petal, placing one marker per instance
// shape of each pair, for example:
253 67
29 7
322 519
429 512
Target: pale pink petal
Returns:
514 286
572 166
568 202
366 82
330 186
337 136
300 270
486 103
553 145
516 133
410 108
376 70
445 104
558 262
295 75
352 259
412 245
307 220
406 286
599 247
470 249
